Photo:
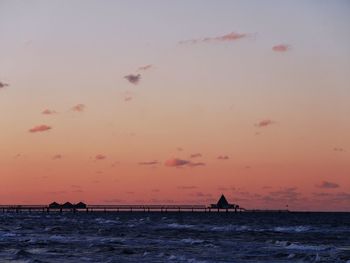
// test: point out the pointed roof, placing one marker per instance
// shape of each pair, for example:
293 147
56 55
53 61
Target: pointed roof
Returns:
67 205
222 202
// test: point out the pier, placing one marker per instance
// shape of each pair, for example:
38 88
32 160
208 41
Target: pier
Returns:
221 206
115 208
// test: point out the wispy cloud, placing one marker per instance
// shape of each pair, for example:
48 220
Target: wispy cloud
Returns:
146 67
48 112
127 98
333 197
328 185
338 149
40 128
79 108
233 36
265 123
149 163
223 157
100 157
193 164
3 85
289 194
175 162
134 79
281 48
57 157
195 155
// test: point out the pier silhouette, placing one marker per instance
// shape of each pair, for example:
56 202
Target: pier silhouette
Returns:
221 206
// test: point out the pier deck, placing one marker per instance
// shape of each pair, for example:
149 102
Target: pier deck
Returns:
116 208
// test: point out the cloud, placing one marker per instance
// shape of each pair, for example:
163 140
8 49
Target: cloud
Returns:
223 157
281 48
127 98
40 128
99 157
265 123
57 157
328 185
175 162
3 85
338 149
195 155
79 108
155 190
288 194
48 112
187 187
179 149
149 163
200 194
134 79
233 36
146 67
191 164
333 197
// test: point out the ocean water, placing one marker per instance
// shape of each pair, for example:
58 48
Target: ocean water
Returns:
174 237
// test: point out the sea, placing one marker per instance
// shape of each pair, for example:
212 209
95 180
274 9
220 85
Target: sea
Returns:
174 237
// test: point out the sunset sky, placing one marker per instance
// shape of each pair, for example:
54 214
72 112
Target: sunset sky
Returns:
112 102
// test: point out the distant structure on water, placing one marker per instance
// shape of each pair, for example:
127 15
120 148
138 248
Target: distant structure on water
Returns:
67 205
223 204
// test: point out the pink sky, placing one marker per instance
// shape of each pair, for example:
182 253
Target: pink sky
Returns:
128 103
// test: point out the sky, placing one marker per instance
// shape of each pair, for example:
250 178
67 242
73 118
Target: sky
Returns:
176 102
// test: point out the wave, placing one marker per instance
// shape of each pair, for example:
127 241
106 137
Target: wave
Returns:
291 229
299 246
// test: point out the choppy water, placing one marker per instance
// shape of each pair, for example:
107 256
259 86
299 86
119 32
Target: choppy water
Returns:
175 237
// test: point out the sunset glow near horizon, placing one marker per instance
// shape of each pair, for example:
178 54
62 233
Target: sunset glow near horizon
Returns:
176 102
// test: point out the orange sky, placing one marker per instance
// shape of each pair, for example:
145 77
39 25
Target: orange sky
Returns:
128 103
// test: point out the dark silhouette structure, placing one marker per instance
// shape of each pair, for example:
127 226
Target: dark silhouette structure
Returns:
67 205
54 205
224 204
80 205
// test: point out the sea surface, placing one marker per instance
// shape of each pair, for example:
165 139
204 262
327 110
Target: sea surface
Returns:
174 237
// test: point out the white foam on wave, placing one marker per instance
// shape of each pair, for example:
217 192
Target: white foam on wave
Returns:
298 246
192 241
228 228
291 229
184 259
8 235
106 221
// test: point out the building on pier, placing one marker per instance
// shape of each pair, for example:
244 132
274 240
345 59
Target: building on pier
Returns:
224 204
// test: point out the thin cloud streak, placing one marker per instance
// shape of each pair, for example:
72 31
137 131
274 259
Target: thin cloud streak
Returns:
145 68
281 48
328 185
48 112
233 36
100 157
149 163
195 155
264 123
40 128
